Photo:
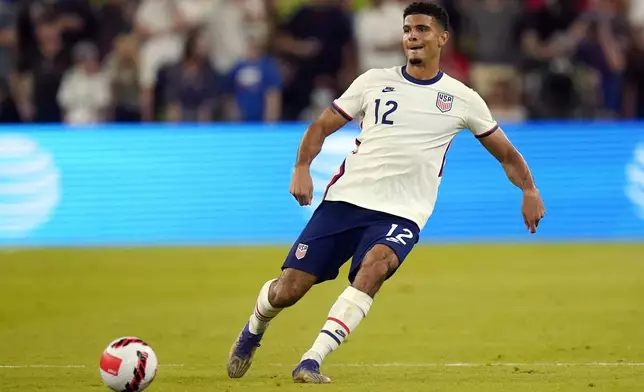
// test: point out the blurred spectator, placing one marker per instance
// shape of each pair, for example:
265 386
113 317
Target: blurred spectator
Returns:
454 63
75 18
634 81
322 97
527 58
316 42
115 18
29 14
77 21
455 18
122 69
233 25
549 30
549 40
255 87
159 93
7 38
191 87
85 90
40 74
379 35
603 49
504 102
8 110
492 26
159 24
196 12
636 12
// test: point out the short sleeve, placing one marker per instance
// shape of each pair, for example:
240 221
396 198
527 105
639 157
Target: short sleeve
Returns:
350 104
479 118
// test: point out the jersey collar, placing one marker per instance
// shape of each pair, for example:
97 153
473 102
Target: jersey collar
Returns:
422 82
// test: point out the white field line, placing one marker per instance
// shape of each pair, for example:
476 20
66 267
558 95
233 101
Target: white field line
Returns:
42 366
392 364
493 364
69 366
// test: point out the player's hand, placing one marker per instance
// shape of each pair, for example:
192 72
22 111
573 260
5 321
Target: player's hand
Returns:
532 209
302 186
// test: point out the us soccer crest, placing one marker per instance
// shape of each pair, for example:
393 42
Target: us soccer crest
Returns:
444 102
300 252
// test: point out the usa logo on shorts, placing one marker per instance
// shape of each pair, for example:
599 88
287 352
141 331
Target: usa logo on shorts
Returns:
300 252
444 102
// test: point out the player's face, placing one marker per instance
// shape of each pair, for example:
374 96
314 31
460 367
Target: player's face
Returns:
423 38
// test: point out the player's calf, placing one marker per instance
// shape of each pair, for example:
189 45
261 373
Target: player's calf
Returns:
275 295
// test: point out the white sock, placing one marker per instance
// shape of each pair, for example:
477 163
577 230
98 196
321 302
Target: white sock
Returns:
345 315
264 312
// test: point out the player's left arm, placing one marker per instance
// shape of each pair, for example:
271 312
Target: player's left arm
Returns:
518 172
487 131
510 158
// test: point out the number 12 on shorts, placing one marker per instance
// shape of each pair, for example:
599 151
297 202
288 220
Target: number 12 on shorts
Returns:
400 238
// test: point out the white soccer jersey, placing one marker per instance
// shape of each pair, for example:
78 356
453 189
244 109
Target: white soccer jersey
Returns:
407 127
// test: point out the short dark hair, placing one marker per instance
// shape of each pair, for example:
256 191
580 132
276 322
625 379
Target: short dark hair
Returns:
430 9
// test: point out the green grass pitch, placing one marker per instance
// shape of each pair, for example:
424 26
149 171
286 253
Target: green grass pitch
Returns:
454 318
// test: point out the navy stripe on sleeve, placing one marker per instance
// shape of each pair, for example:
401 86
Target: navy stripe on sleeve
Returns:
488 133
342 112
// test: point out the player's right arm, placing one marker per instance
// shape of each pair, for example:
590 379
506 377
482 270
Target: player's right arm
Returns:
310 146
332 119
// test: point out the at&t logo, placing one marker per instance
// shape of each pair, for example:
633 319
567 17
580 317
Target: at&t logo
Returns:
635 180
29 186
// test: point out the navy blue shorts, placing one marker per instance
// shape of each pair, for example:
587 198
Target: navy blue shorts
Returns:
339 231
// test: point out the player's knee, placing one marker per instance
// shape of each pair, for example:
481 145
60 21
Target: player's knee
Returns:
285 295
286 292
376 270
380 262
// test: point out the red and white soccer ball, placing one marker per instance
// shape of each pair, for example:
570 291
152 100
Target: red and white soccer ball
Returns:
128 364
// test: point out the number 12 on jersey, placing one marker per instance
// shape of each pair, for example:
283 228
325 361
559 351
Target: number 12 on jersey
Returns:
385 120
406 233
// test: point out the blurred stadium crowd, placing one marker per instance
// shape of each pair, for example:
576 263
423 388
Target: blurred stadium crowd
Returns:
92 61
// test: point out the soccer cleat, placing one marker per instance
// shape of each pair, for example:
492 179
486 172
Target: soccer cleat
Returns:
241 354
308 371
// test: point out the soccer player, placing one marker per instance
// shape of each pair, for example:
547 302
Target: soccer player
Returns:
384 193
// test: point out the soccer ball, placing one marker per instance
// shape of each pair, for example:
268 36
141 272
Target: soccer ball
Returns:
128 364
